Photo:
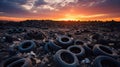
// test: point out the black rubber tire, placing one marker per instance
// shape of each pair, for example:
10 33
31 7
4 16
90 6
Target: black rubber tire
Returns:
78 42
64 41
25 62
38 35
65 58
20 30
12 30
7 38
4 55
51 46
96 36
34 35
8 61
104 50
26 46
51 34
77 32
16 30
29 35
88 49
77 50
105 61
47 48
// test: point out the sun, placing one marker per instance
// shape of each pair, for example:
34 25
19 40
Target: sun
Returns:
69 17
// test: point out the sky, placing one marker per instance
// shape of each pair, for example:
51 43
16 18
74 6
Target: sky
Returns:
18 10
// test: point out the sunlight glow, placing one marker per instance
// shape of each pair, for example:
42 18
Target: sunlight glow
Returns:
68 17
80 17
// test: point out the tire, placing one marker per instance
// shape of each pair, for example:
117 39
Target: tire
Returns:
65 58
48 48
20 30
104 42
96 36
51 46
26 46
104 50
64 41
29 35
16 30
78 42
25 62
10 31
4 55
34 35
7 38
105 61
51 34
77 50
12 51
78 32
8 61
88 49
39 35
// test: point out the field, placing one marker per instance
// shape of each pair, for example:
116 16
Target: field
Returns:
39 43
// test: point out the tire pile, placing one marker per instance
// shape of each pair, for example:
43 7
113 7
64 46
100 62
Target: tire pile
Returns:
22 47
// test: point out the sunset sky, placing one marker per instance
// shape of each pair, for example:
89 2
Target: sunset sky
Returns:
18 10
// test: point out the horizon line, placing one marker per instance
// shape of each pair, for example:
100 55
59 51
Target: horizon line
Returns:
60 20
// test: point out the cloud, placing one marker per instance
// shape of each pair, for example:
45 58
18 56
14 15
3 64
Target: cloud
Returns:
34 6
29 4
39 2
89 3
60 1
108 6
49 8
53 4
12 7
17 1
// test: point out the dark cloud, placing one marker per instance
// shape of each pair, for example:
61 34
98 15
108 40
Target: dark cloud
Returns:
40 2
17 1
99 6
110 3
12 6
109 6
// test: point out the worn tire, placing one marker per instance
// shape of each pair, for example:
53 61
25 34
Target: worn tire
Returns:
25 62
64 41
88 49
77 50
52 46
105 61
65 58
20 30
4 55
47 48
7 38
104 50
26 46
8 61
78 42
